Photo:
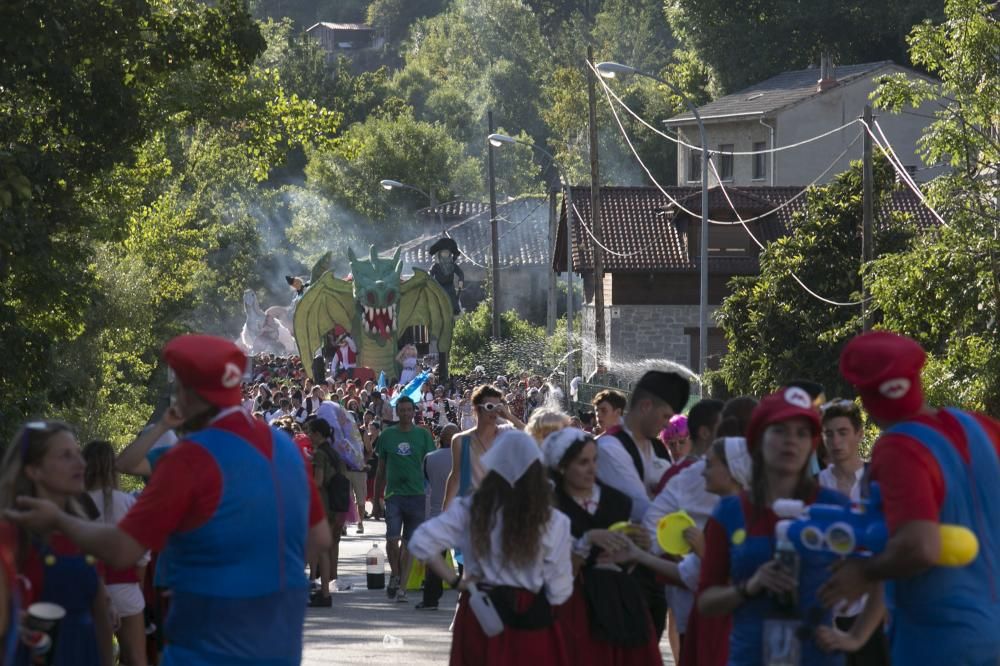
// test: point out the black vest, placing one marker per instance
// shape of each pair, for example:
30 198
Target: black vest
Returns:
659 450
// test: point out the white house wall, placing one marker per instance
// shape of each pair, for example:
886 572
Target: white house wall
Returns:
809 118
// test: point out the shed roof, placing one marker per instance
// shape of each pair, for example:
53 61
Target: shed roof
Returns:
522 230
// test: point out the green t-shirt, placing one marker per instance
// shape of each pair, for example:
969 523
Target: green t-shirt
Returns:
404 453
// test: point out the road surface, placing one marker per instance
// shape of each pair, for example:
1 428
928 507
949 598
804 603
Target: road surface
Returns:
354 629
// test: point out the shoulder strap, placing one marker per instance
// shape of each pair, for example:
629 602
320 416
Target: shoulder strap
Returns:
630 447
465 471
660 450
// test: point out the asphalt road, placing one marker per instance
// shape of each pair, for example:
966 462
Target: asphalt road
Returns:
353 631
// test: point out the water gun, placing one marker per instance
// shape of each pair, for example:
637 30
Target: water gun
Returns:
860 531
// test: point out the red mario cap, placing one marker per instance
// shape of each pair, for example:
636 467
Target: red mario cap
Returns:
787 403
885 367
211 367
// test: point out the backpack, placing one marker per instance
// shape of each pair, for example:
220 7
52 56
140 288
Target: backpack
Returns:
338 486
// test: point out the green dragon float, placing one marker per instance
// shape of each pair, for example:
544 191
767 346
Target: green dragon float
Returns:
376 305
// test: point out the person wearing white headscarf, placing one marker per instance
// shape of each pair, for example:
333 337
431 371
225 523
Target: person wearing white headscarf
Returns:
686 490
516 548
607 620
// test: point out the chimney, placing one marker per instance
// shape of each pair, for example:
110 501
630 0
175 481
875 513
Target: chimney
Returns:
827 76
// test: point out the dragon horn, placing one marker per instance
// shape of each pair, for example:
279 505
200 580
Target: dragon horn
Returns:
395 260
350 254
374 254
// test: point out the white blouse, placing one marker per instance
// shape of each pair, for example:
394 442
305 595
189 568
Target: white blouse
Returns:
553 570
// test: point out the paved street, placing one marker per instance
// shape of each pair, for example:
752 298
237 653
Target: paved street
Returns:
352 632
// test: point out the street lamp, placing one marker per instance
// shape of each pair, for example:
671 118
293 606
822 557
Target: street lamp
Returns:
608 70
498 141
389 185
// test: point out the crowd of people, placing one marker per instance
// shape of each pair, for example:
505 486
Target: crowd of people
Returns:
554 521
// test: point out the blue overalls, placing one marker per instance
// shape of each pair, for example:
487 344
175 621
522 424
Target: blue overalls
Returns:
238 581
746 555
952 615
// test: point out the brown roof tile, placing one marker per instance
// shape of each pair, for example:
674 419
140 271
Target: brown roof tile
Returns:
640 225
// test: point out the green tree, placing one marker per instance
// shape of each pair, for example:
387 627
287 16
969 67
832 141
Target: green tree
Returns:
523 346
775 330
945 291
401 148
84 84
746 42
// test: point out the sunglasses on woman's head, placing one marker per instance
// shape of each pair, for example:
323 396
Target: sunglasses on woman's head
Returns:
36 426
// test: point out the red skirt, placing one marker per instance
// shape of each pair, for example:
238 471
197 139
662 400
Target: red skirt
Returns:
706 640
586 650
514 647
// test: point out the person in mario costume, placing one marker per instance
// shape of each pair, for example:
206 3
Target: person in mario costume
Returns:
933 466
233 509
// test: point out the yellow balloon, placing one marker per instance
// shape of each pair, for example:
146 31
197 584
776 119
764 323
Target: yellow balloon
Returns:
959 546
619 526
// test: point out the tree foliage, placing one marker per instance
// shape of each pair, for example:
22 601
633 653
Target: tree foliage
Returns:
945 291
745 42
776 331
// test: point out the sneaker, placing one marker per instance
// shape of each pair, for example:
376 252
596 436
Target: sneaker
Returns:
401 597
392 587
423 605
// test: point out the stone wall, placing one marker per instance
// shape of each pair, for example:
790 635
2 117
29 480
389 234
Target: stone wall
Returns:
523 289
641 332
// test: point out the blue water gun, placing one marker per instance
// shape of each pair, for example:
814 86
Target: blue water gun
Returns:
860 531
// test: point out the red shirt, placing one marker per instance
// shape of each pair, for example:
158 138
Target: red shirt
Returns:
186 486
908 474
305 447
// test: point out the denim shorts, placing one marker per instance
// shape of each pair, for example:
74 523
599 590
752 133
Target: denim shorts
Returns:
403 513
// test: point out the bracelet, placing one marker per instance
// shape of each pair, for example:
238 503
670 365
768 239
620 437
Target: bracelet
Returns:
741 589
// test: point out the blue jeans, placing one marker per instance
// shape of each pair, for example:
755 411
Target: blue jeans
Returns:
403 514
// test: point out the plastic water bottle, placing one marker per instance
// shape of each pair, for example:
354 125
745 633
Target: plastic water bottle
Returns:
375 564
785 553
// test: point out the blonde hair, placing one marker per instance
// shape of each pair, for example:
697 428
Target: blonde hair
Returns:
545 421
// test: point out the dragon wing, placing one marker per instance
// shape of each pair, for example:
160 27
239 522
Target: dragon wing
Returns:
422 302
329 301
320 267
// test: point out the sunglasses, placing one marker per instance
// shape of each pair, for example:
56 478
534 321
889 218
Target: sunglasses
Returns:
32 426
491 406
840 402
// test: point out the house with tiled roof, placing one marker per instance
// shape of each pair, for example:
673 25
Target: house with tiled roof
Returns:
651 282
523 231
793 107
345 38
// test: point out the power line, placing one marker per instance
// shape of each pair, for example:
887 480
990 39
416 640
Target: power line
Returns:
761 246
897 165
677 204
715 152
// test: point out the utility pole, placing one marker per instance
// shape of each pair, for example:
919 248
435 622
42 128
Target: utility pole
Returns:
494 236
550 302
595 217
867 217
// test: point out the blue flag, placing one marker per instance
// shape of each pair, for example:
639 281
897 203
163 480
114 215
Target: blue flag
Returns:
411 390
381 380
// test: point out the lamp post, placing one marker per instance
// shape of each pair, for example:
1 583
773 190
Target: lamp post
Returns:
389 185
608 70
497 141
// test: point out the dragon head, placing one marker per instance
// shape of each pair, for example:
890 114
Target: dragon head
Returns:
376 293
